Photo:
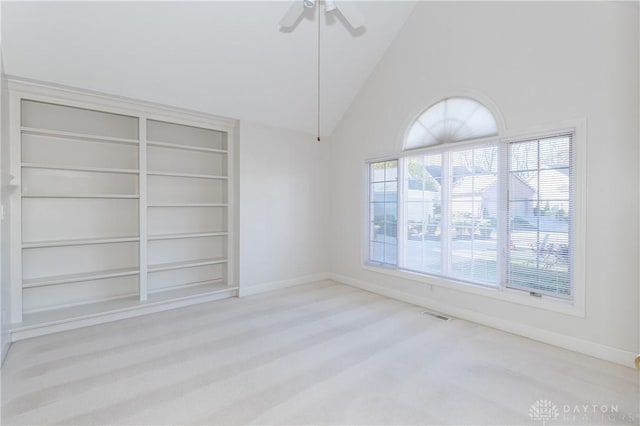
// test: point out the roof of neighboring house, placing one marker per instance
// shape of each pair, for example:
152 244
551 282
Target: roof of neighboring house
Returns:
473 184
553 185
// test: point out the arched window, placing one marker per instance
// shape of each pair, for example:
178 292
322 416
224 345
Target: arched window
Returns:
490 211
451 120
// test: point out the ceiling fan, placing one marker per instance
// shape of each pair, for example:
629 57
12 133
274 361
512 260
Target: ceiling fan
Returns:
349 11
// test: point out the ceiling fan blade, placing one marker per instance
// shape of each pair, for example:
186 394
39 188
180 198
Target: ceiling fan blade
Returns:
351 14
293 14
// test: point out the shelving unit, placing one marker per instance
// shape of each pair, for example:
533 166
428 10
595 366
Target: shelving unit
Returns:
74 184
187 181
123 209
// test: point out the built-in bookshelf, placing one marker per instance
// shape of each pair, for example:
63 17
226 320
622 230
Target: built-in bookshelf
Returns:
187 201
119 211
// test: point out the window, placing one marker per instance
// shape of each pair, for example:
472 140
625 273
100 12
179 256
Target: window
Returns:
540 206
451 120
488 212
383 212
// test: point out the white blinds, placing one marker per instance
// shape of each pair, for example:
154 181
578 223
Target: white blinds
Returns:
491 213
383 212
450 208
540 215
451 120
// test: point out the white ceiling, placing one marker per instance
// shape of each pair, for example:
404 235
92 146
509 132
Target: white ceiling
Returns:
226 58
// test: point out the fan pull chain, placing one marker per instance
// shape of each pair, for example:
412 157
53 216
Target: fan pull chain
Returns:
319 17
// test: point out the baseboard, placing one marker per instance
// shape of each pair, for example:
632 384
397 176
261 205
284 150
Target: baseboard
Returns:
277 285
6 344
585 347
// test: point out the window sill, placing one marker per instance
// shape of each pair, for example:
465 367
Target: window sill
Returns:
499 293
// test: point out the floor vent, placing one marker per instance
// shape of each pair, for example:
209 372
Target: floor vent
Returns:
435 315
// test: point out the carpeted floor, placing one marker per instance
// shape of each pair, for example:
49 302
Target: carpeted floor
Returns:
323 353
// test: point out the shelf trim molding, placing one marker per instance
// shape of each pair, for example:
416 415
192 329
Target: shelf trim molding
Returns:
82 98
170 266
187 285
186 147
59 134
78 242
112 196
79 168
186 205
142 209
74 278
160 237
186 175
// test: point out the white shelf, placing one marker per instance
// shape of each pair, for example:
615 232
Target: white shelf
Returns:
73 135
189 235
186 205
74 312
189 290
79 168
208 285
100 185
185 264
116 196
186 175
78 242
44 322
74 278
185 147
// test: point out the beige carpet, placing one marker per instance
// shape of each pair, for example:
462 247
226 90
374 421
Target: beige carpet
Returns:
324 353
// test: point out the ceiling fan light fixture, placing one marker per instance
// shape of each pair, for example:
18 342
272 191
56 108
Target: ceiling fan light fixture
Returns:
309 3
329 6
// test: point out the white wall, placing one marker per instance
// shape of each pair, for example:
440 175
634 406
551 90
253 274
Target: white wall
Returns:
540 63
283 206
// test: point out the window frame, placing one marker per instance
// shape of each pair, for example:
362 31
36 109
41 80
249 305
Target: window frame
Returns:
370 202
500 291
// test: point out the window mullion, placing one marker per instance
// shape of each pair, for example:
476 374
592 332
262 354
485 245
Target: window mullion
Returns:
445 220
503 237
401 228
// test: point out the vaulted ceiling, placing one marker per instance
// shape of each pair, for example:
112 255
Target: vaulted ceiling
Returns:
223 57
